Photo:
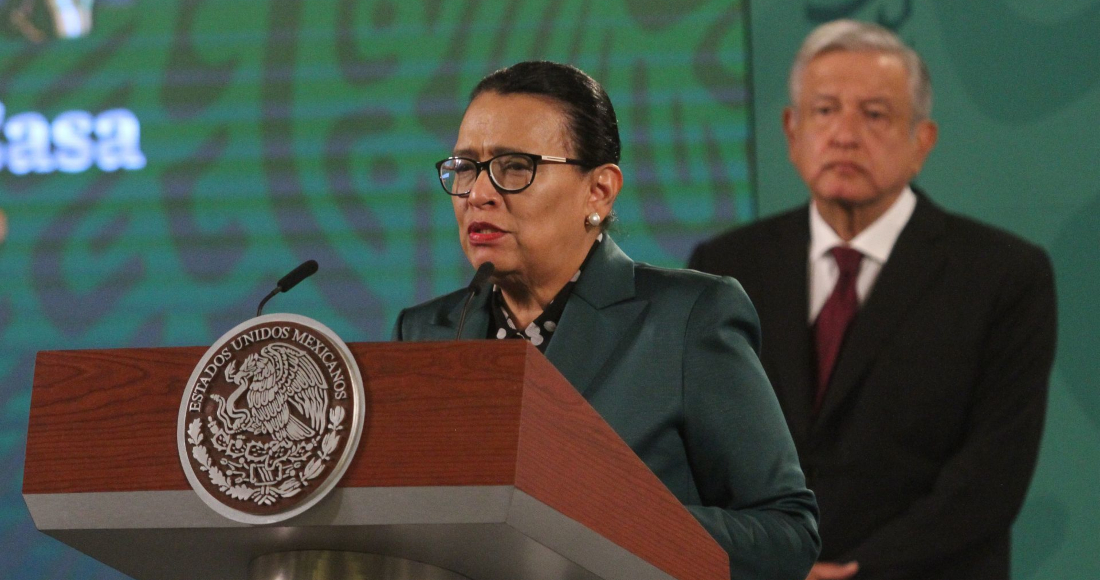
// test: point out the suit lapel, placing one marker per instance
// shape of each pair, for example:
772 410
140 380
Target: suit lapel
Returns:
786 347
599 314
917 259
477 318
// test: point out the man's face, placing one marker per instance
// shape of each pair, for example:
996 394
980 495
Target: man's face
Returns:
850 132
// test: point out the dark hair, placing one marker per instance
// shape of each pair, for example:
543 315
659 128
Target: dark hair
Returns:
592 123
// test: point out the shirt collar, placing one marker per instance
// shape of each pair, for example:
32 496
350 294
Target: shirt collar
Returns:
542 328
876 241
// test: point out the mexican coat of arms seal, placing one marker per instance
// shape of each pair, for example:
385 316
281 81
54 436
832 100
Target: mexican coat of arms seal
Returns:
270 418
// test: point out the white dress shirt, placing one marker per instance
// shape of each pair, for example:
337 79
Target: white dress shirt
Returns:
875 243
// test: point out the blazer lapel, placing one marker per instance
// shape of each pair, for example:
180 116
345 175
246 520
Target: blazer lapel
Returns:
477 318
600 313
915 262
786 347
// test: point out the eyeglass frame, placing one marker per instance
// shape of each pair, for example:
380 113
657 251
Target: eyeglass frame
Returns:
480 166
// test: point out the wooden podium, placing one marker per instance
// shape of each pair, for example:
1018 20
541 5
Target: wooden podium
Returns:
476 457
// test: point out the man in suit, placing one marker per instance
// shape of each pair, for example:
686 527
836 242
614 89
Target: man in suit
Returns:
910 348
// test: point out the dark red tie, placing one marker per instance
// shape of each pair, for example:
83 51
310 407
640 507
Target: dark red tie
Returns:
835 316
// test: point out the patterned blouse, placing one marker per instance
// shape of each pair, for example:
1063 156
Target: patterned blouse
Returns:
542 328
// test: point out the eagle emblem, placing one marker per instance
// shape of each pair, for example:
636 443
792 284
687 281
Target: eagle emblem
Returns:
270 418
277 378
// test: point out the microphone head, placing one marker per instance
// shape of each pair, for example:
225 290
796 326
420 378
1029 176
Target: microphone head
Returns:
481 276
305 270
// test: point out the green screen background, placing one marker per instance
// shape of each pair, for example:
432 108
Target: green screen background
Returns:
276 132
1017 97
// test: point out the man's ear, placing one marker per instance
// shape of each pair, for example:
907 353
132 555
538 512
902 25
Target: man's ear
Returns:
604 185
926 133
788 124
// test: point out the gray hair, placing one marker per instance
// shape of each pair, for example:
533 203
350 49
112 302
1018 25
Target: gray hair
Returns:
852 35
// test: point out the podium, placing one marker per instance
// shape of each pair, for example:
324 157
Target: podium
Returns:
476 457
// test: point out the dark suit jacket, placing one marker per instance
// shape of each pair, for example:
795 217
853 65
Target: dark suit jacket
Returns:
927 437
668 358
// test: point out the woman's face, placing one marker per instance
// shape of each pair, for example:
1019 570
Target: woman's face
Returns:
536 236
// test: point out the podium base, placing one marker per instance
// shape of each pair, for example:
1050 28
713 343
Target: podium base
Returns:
335 565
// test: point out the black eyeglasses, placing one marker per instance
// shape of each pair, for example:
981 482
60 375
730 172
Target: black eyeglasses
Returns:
510 172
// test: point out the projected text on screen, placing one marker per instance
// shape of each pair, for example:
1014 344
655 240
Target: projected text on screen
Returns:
73 142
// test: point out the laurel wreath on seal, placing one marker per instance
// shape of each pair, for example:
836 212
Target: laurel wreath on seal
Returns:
242 457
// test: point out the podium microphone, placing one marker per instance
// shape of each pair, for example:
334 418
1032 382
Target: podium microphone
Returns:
303 271
475 287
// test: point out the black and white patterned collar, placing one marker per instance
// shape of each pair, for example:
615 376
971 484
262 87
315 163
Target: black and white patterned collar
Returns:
541 329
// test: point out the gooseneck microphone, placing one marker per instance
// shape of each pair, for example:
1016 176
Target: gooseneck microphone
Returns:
303 271
476 285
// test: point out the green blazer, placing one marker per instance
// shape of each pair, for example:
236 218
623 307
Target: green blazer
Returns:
669 359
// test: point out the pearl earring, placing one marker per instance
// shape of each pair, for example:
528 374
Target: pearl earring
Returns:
593 219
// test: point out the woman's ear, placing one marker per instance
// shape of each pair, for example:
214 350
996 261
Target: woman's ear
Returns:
604 185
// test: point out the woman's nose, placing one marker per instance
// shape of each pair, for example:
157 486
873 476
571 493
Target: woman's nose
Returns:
483 192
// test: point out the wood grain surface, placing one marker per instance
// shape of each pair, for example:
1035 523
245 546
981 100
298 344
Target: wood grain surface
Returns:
437 414
571 459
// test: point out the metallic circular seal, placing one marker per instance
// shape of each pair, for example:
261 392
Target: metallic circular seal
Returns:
271 418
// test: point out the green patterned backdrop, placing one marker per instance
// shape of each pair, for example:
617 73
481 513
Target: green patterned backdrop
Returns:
160 172
1017 98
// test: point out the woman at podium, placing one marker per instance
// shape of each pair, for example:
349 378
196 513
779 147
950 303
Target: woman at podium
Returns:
667 357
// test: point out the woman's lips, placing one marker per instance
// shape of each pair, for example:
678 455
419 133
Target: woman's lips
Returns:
484 233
